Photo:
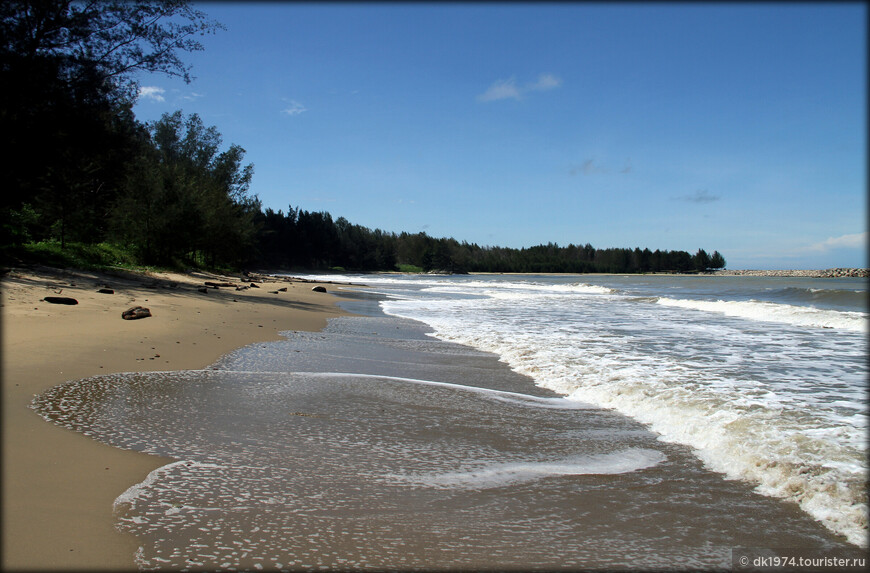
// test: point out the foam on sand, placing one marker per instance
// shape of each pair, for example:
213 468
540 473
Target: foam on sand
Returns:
499 475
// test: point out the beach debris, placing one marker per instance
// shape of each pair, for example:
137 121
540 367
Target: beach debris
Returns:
216 285
136 312
203 290
60 300
106 291
282 289
319 289
255 285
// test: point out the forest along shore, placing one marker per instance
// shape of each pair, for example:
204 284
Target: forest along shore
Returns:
58 485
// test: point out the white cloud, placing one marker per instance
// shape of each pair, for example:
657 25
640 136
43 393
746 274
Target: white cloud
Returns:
853 241
545 82
294 108
501 89
152 92
508 89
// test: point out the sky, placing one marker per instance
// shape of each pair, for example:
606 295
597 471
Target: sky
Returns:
739 128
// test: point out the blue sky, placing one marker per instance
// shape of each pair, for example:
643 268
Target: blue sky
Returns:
732 127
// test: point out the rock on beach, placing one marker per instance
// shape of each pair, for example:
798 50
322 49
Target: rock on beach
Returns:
136 312
60 300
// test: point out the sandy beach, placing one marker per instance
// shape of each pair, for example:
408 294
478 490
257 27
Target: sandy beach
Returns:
58 485
389 449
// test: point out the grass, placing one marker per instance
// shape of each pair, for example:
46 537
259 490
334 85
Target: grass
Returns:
406 268
97 257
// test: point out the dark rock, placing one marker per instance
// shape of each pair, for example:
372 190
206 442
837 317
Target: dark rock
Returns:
283 289
255 285
319 289
203 290
106 291
135 312
60 300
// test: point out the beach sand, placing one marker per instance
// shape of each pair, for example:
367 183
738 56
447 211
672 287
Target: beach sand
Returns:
372 402
369 444
59 485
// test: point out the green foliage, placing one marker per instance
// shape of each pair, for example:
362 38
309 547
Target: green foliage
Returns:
67 85
78 255
18 224
701 260
82 175
111 40
314 241
717 261
185 200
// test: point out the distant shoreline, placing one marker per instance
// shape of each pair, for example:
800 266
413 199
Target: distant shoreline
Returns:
818 273
822 273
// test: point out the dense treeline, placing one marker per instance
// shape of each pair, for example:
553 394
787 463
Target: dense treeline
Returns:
313 240
78 166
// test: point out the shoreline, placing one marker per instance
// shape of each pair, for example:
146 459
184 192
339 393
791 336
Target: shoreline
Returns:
81 514
371 393
794 273
58 485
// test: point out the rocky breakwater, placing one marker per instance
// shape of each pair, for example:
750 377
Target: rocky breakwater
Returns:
823 274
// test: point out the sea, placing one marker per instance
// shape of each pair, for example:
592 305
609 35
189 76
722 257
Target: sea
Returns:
507 421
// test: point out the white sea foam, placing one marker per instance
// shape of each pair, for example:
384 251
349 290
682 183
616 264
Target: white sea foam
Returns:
775 312
499 475
135 491
781 405
512 397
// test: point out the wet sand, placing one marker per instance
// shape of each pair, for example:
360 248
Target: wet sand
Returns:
58 485
369 444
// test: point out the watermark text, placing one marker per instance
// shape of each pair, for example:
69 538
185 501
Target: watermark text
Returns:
764 559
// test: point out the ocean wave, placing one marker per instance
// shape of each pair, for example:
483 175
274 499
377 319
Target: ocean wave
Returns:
774 312
751 441
713 393
835 298
464 284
